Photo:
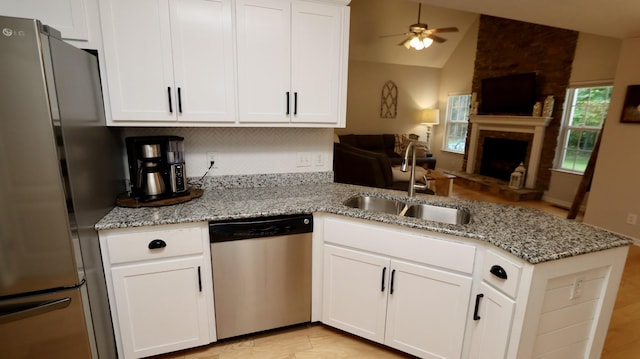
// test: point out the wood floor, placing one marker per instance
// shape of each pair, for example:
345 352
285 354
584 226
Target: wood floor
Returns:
316 341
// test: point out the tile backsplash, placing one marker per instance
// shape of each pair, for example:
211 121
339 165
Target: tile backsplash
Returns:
242 151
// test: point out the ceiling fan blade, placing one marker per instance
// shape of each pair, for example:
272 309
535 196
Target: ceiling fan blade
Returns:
443 29
392 35
406 42
435 38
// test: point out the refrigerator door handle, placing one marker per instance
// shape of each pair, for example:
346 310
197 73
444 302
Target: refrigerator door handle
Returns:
35 309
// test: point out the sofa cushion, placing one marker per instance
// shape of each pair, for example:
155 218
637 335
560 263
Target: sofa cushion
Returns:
371 143
357 166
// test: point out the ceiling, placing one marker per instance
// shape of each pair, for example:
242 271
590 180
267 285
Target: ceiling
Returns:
371 19
612 18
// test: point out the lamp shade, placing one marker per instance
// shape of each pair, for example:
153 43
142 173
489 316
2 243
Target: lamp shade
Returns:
430 117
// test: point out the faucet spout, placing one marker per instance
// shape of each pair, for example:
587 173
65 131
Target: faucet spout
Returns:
411 191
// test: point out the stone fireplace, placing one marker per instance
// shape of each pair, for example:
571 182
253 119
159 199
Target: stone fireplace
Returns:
496 143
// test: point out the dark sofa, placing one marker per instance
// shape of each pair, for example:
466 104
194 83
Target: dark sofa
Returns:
385 144
355 165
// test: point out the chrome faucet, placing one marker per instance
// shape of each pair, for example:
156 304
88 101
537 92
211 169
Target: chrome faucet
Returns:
412 178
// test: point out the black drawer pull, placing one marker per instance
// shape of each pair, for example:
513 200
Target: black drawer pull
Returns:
475 311
393 274
157 243
288 105
498 272
384 271
170 102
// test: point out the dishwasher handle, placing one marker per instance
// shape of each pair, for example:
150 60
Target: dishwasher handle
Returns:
260 227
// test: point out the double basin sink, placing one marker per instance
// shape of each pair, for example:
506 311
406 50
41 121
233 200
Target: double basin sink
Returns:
420 211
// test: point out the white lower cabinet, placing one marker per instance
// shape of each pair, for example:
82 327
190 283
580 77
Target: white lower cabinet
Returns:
491 323
410 307
160 291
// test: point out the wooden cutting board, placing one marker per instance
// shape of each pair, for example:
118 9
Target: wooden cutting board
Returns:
126 201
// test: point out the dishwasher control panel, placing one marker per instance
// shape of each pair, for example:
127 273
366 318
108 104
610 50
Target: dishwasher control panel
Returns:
230 230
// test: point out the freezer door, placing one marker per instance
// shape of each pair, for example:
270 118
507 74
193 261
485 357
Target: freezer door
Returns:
36 249
45 326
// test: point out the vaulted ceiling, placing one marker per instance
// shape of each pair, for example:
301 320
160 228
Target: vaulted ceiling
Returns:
372 19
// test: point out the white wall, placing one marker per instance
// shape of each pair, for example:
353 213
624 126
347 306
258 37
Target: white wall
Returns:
614 190
417 89
249 150
594 63
456 77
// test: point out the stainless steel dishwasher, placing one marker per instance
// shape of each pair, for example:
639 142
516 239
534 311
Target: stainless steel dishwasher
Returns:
261 273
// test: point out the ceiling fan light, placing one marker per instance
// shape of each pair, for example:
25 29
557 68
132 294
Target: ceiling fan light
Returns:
416 43
427 42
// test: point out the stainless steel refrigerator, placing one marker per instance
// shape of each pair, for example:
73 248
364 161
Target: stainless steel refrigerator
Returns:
59 174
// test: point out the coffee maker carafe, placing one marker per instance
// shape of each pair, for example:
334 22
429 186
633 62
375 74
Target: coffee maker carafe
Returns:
156 167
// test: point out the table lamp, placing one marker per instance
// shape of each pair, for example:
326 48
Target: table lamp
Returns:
430 117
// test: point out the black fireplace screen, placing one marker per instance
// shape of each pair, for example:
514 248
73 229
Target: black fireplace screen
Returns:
500 156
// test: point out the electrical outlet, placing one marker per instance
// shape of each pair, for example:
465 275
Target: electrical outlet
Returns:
318 159
632 218
303 159
211 157
577 288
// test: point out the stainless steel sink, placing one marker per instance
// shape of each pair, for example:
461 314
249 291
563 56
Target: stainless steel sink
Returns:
375 204
438 214
420 211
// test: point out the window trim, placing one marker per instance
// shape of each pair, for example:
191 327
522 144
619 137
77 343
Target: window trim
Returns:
566 118
448 121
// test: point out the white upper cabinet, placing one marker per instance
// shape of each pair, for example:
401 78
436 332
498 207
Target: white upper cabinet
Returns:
169 62
292 62
67 16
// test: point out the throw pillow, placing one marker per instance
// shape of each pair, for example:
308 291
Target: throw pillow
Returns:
421 147
399 145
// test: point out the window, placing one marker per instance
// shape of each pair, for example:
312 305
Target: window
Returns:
457 122
583 118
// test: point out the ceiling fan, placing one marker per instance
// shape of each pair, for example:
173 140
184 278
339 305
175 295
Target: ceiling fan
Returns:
420 36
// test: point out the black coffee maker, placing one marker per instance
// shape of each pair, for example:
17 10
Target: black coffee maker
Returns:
156 167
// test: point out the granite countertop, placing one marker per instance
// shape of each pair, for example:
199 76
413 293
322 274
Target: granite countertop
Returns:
527 233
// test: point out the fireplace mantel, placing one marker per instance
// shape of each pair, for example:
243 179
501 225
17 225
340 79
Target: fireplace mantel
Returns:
523 124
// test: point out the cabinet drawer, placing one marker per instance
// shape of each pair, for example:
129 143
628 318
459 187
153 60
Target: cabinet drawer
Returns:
496 266
128 247
423 248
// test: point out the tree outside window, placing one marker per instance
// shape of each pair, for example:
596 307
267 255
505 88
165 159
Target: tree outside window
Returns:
582 121
457 122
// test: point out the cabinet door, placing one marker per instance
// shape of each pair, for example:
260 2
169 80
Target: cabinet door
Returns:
355 292
264 65
316 62
137 47
491 330
67 16
203 60
427 310
160 306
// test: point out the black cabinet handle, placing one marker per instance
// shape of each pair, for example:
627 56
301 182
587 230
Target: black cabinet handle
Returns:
498 272
179 100
199 279
475 311
393 274
157 244
384 271
295 103
287 103
170 102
